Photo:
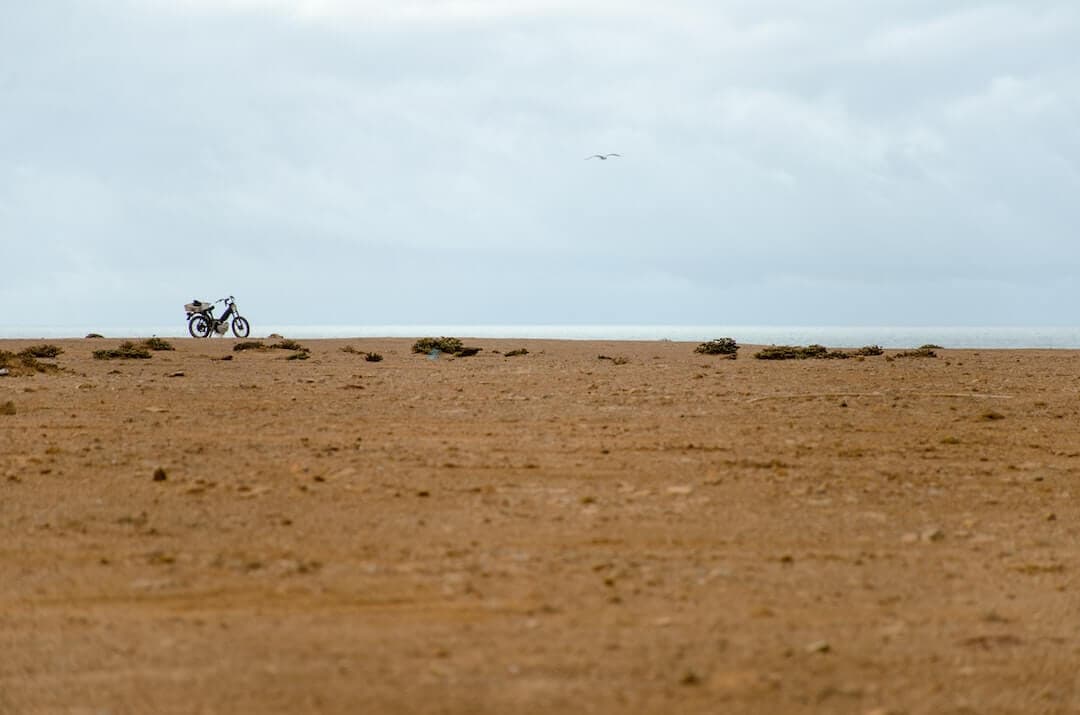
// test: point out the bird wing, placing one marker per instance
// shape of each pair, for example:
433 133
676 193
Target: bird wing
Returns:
594 156
618 155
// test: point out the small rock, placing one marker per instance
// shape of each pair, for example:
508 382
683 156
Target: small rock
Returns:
690 678
819 647
4 372
7 408
159 475
1051 516
178 373
932 534
680 490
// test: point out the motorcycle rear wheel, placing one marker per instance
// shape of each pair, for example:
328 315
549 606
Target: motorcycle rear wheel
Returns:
240 327
199 326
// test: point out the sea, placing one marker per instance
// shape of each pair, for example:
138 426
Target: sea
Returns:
830 336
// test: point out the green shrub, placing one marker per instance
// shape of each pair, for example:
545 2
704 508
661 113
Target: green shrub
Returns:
249 345
127 350
718 346
515 353
869 351
451 346
798 352
299 355
443 345
91 336
42 351
924 352
157 344
370 357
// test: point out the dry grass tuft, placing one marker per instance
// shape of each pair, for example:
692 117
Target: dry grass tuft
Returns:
157 344
127 350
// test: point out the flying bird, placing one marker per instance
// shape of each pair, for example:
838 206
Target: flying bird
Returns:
602 157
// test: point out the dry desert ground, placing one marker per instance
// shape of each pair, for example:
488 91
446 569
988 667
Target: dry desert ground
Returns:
665 532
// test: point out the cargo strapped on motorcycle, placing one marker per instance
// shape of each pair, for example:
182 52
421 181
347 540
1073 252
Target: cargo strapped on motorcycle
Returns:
197 306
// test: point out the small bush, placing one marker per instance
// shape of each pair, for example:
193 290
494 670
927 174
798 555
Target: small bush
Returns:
815 351
370 357
617 360
923 352
451 346
869 351
249 345
42 351
515 353
127 350
288 345
157 344
299 355
798 352
92 336
930 346
718 346
779 352
444 345
24 363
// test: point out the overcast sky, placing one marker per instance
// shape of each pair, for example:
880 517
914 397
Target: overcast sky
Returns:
906 162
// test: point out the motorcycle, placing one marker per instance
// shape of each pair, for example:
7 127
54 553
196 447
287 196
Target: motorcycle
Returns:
203 324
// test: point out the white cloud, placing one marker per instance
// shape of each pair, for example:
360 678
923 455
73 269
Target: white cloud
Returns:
974 29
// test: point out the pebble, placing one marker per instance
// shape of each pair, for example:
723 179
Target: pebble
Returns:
932 534
159 475
178 373
819 647
4 372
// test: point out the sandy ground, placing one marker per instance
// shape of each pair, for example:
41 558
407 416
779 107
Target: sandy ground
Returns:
550 533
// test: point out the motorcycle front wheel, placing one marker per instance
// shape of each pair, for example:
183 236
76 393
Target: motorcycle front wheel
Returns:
240 327
199 326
